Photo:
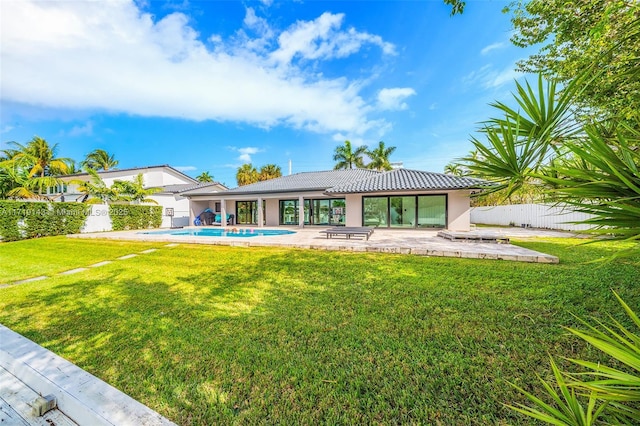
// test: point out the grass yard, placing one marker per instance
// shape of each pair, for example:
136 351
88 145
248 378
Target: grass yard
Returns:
219 335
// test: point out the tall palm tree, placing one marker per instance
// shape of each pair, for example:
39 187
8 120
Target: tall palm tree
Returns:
38 160
204 177
99 159
347 158
380 157
38 157
246 174
269 171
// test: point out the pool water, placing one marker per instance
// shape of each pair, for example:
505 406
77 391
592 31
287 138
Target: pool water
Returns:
218 232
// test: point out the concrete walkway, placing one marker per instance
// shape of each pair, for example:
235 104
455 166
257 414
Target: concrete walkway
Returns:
401 241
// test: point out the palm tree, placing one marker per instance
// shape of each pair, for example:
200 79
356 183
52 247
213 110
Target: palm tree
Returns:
38 157
99 159
269 171
454 169
134 191
347 158
95 188
204 177
38 160
246 174
380 157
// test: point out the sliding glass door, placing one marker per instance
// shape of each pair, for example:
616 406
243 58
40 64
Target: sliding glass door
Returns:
247 212
402 212
406 211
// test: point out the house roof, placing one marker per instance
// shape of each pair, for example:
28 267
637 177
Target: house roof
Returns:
180 188
136 169
407 180
299 182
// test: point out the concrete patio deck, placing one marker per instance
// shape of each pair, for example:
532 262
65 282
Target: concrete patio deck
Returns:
401 241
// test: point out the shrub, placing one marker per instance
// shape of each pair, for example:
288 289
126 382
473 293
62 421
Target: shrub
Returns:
20 220
126 216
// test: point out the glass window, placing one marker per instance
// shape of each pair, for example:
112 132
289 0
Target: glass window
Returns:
307 211
375 211
247 212
288 212
402 212
338 211
432 211
321 211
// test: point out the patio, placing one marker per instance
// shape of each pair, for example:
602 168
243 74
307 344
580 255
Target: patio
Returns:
416 242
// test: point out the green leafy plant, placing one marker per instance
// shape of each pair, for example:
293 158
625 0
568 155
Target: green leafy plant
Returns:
612 392
20 220
126 216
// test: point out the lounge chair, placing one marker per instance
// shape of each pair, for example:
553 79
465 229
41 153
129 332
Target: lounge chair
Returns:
349 231
218 219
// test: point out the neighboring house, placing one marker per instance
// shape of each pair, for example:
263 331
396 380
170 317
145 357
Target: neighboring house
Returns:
398 198
172 182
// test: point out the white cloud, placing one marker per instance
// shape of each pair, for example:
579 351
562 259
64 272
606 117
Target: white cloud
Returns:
246 153
494 46
185 168
111 56
503 77
85 130
6 129
322 39
393 99
490 78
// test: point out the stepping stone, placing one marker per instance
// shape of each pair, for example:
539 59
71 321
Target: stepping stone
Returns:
148 251
29 280
172 245
95 265
72 271
127 256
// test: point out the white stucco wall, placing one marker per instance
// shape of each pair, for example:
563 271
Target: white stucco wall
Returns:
459 211
354 210
180 207
98 220
272 213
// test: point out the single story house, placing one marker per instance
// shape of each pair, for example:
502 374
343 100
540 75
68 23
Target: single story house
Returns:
172 182
399 198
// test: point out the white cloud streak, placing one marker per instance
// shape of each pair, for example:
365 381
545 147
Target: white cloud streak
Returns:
185 168
393 99
494 46
110 56
490 78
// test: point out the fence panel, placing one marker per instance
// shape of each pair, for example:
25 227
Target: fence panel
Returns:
530 215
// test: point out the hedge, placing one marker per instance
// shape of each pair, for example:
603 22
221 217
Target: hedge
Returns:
127 216
21 220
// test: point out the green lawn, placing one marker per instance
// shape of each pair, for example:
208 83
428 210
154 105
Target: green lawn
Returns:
46 256
218 335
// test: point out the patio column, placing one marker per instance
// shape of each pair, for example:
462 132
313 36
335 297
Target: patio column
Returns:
260 218
223 212
301 212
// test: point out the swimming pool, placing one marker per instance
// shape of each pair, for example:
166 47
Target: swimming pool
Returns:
218 232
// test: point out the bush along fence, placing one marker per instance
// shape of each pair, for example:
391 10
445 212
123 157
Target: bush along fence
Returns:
126 216
21 220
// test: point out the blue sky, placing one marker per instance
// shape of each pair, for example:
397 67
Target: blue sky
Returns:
210 85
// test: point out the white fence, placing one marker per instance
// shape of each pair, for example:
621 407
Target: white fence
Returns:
98 220
530 215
